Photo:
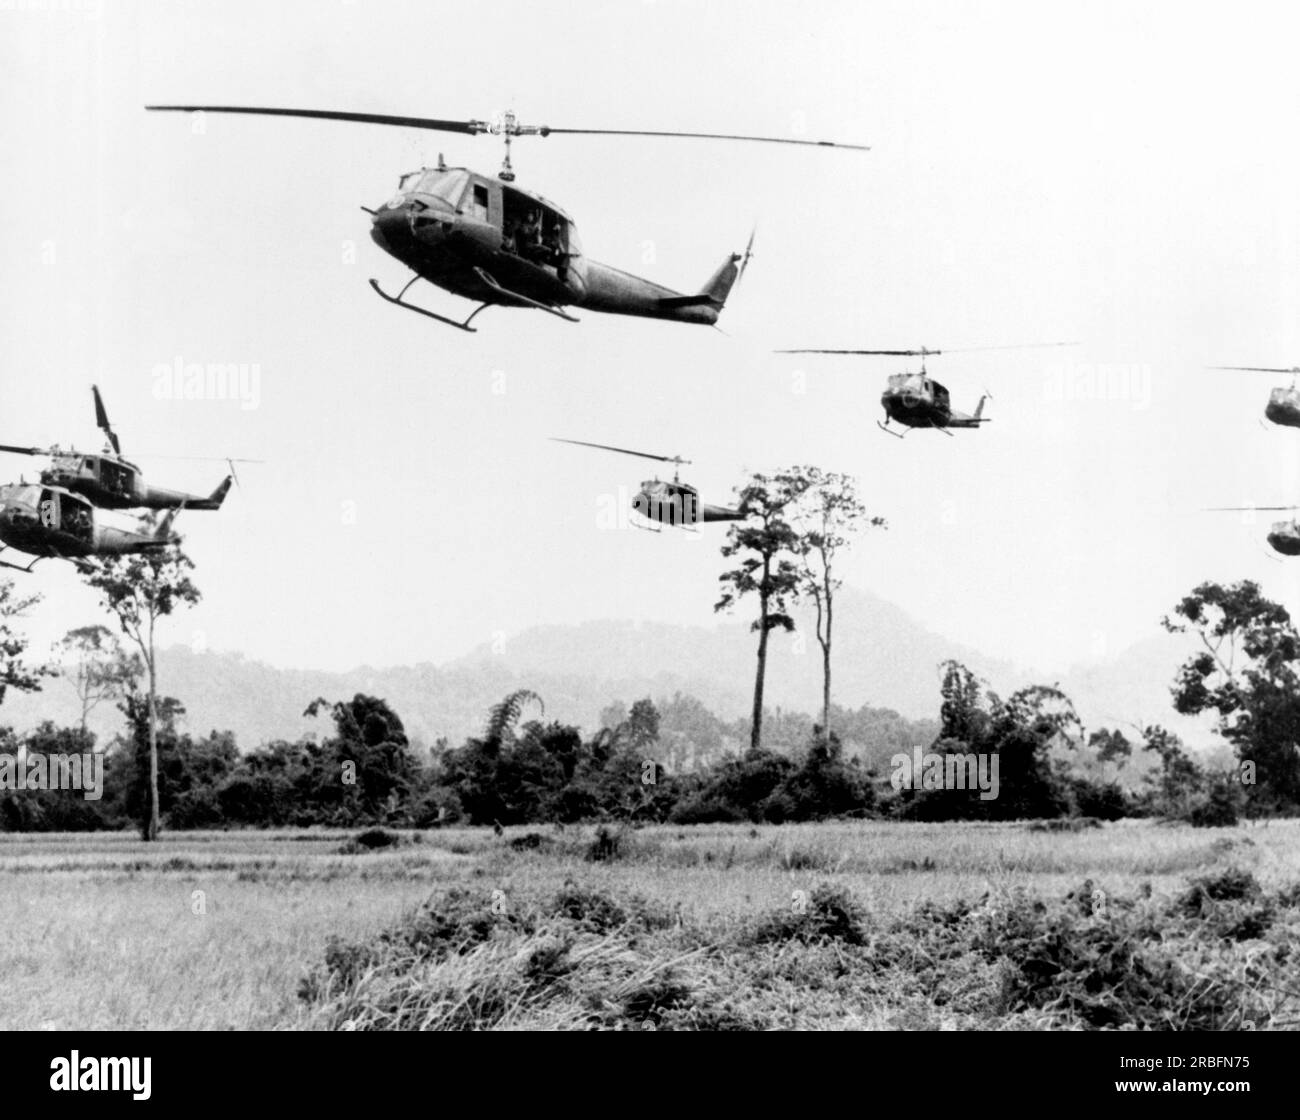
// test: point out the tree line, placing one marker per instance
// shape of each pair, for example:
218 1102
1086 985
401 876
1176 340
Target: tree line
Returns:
1247 673
525 769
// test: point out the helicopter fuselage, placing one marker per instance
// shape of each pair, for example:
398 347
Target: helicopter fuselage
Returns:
917 401
485 240
113 483
1284 537
677 504
44 520
1284 406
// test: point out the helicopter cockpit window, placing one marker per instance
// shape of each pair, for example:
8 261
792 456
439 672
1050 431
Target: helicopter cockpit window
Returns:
476 205
446 185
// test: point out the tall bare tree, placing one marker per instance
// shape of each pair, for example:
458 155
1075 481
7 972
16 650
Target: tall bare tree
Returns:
140 589
828 514
767 546
92 660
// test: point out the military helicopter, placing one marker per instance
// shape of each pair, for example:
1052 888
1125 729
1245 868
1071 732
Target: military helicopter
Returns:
51 521
668 503
502 246
1283 402
112 482
916 400
1283 536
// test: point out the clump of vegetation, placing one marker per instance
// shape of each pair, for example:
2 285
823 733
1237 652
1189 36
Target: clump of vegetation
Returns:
371 840
1218 806
1065 824
606 845
586 958
591 908
796 858
530 841
1231 904
466 962
1233 884
828 913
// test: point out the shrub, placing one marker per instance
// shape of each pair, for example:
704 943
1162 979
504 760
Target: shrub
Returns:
829 913
606 845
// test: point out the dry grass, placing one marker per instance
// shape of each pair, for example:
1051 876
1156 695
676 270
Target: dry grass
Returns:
99 931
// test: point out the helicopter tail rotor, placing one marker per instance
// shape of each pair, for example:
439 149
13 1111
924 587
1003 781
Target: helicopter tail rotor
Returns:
718 286
749 252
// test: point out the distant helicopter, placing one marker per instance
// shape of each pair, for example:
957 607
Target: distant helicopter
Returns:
673 503
112 482
1283 402
918 401
1283 536
50 521
500 245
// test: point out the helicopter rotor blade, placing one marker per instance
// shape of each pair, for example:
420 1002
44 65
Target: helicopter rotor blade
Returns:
876 353
1259 369
925 352
199 458
507 126
1246 509
547 131
470 127
27 450
621 450
101 419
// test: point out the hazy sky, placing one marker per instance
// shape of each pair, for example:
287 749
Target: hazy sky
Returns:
1126 178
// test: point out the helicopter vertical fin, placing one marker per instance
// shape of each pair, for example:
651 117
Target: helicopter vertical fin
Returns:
718 287
979 408
721 282
164 531
219 494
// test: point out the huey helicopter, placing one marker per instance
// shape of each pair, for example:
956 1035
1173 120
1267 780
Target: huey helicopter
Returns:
1283 536
500 245
112 482
916 400
668 503
1283 402
51 521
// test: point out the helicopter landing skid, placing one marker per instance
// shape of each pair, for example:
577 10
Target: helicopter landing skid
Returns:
890 431
400 302
646 528
487 279
19 567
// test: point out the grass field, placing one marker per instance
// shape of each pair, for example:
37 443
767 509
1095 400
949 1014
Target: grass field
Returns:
897 925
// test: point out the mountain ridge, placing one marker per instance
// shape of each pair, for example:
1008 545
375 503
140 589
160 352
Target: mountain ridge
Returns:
882 657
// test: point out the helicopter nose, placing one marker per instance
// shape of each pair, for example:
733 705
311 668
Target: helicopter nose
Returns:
387 229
